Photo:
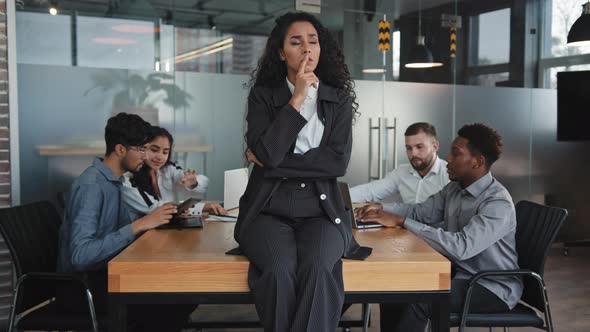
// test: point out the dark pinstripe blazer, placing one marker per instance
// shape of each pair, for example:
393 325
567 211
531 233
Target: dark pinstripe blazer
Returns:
273 125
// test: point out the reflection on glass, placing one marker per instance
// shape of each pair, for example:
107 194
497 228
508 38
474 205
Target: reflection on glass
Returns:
147 94
489 79
164 61
206 50
115 43
396 48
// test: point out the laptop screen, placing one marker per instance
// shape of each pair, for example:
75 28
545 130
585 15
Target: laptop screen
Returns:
349 207
345 192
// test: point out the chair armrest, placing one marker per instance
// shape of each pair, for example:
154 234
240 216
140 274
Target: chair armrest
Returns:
56 277
503 273
497 273
50 276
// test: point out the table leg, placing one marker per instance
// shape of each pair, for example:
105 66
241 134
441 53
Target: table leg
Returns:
117 315
440 314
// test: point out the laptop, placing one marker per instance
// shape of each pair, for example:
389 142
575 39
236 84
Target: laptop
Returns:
345 191
234 186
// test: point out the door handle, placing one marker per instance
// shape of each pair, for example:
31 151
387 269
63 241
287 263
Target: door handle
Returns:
393 130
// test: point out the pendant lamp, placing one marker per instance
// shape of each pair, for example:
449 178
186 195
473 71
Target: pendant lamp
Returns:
421 57
579 34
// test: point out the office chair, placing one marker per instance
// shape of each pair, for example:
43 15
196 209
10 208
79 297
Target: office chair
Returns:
536 228
31 233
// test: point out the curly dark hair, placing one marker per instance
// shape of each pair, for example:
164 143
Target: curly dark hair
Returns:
331 69
482 140
142 179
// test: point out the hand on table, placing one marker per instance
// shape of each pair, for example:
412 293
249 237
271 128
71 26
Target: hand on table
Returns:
214 208
161 215
366 208
384 218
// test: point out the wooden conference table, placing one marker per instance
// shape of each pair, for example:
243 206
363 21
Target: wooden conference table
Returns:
190 266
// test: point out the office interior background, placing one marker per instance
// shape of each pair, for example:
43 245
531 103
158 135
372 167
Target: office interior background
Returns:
184 65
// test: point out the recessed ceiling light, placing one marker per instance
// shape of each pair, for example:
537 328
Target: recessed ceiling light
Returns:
53 7
135 28
374 71
114 41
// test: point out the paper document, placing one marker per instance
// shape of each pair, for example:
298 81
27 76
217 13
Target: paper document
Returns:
234 186
221 218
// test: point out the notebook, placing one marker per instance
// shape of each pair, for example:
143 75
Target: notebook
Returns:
345 191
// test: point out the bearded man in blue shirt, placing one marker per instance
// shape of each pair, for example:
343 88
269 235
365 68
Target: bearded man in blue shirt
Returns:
97 226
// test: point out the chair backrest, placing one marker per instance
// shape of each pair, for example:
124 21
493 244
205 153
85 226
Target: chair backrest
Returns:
31 234
536 228
61 198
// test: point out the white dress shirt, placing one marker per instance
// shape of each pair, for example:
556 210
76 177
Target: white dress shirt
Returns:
405 181
310 135
169 178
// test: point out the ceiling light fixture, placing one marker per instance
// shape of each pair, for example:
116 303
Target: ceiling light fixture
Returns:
579 34
135 28
374 71
211 22
421 57
114 41
53 7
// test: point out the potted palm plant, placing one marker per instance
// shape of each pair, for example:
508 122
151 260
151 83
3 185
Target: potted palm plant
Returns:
139 94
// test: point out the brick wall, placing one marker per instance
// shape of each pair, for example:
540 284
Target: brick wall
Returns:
4 130
5 262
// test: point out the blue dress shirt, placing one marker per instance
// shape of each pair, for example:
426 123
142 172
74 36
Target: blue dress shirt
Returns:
96 224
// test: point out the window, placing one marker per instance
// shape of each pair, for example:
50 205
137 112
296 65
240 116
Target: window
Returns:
488 48
493 37
489 79
561 15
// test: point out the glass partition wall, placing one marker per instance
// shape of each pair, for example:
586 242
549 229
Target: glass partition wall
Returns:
184 65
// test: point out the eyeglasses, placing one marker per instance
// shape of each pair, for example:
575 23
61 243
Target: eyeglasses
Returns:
140 149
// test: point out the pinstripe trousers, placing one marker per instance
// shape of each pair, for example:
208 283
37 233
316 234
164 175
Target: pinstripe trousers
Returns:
295 272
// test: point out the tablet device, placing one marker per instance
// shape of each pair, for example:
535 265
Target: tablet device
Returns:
187 204
179 223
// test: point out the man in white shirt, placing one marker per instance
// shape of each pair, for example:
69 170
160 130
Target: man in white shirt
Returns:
426 174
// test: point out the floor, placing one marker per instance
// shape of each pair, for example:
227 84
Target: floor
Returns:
567 278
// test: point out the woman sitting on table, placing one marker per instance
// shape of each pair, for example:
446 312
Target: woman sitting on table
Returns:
159 179
292 224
